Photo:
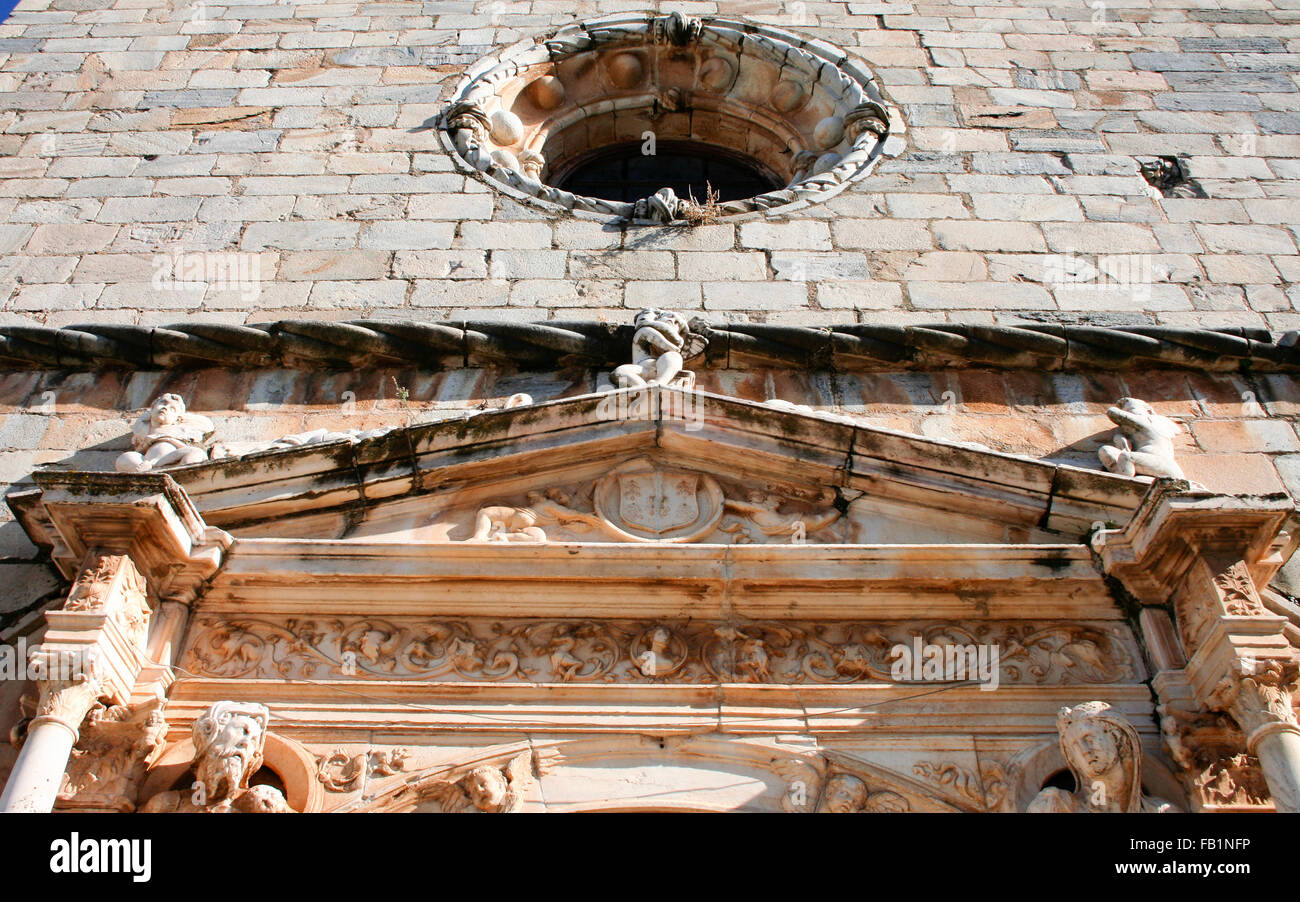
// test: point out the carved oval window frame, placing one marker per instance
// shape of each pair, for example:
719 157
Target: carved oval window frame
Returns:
814 103
287 759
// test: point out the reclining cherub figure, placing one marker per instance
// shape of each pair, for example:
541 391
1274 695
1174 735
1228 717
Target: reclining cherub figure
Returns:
166 435
1144 443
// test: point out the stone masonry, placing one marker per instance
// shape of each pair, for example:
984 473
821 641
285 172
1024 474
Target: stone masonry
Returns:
301 137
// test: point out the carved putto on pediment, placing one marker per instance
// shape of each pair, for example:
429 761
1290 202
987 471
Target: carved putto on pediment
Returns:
661 343
846 793
1144 442
166 435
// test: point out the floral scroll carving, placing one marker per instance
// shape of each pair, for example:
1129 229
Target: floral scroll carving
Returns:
341 772
575 651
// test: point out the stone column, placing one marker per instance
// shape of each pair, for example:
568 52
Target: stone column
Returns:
93 648
1241 663
34 782
1258 695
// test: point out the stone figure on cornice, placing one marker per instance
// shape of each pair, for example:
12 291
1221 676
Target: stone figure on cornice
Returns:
1144 443
166 435
659 348
502 523
228 741
1104 753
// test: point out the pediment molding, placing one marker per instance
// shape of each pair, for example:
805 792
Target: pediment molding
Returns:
335 489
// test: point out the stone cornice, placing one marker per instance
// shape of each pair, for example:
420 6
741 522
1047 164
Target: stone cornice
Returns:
850 347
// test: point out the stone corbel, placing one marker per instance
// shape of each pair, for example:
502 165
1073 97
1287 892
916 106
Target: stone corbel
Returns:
145 516
1153 552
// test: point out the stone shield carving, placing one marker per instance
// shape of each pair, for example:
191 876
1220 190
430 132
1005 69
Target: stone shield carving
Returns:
644 503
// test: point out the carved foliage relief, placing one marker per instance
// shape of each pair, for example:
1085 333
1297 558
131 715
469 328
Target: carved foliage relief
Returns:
570 651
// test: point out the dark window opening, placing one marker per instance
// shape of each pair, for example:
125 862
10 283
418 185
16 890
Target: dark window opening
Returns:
1062 779
624 173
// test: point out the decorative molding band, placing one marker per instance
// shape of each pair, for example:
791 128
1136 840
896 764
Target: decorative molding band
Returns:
449 345
654 651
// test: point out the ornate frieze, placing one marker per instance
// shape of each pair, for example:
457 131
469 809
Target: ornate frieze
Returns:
623 651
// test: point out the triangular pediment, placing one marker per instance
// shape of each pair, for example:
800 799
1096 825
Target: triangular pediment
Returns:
658 465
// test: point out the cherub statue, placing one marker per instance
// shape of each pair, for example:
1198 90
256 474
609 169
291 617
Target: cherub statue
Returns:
1104 753
488 788
658 348
166 435
1144 443
228 742
501 523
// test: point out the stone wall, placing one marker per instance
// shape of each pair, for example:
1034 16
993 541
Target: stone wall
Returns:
302 134
298 139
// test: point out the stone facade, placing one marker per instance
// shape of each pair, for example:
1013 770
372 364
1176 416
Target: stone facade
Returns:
1008 362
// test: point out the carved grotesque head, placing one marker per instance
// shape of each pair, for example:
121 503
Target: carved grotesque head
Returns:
487 788
844 794
228 742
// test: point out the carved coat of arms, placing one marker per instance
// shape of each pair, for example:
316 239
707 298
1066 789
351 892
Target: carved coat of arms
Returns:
648 504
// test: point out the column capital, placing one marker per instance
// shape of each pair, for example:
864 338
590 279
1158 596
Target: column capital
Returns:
1259 695
66 702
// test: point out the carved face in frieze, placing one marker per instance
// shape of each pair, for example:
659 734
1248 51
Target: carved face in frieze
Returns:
228 741
844 794
487 788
